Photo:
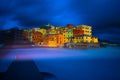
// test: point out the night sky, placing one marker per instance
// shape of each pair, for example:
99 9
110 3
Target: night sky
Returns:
102 15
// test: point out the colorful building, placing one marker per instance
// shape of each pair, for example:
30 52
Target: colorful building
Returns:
94 40
60 39
87 30
70 33
58 36
78 32
66 38
43 31
82 33
52 40
36 37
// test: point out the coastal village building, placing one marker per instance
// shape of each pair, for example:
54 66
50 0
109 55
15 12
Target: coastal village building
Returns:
83 33
43 31
59 36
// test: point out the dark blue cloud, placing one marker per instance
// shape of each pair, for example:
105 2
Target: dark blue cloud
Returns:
102 15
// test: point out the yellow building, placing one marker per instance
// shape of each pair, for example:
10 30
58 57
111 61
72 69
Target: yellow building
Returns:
87 39
79 39
75 40
87 35
66 39
95 40
87 29
52 43
43 31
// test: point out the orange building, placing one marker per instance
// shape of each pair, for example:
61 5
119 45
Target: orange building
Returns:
51 41
36 37
60 39
77 32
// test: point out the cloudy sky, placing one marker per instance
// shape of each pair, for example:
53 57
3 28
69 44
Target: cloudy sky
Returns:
102 15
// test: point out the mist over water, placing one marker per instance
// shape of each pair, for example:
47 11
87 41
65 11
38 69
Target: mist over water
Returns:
70 64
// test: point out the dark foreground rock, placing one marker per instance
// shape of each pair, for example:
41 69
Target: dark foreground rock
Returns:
25 70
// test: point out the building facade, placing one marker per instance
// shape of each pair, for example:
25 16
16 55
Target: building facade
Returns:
58 36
